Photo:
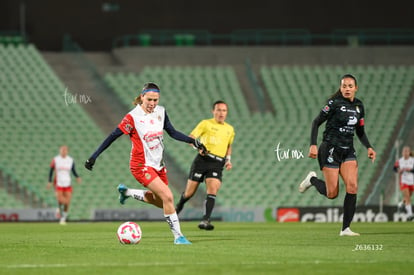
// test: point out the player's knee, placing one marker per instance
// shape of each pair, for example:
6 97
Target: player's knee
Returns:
332 195
352 188
168 198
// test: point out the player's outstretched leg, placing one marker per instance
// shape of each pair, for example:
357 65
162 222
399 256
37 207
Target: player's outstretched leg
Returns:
180 205
306 183
125 193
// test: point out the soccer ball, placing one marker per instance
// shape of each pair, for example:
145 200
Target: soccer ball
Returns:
129 233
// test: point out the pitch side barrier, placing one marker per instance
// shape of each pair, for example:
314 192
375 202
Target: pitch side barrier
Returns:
334 214
253 214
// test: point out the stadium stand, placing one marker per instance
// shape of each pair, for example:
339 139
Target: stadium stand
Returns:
269 151
8 201
307 86
258 135
39 115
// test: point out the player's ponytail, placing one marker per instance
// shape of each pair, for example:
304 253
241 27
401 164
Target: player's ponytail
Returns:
137 100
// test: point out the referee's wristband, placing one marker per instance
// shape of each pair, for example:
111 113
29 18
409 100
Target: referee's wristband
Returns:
228 158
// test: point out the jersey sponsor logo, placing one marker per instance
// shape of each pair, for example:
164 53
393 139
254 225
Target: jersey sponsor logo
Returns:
352 120
150 136
344 109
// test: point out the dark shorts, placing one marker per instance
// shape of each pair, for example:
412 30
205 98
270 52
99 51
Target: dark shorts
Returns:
332 156
205 167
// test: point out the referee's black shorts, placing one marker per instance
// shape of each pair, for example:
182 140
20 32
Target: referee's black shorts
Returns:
332 156
205 167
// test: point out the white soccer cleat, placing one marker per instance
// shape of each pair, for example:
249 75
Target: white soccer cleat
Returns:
348 232
305 184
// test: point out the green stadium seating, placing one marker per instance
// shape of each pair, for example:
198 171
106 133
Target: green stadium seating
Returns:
381 88
37 120
258 177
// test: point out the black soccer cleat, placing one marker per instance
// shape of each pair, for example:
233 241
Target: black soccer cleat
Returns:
205 225
401 207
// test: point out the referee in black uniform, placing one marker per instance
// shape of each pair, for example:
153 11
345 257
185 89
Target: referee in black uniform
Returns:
344 115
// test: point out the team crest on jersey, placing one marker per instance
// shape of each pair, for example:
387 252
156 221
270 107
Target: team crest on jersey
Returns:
326 109
128 127
159 118
147 176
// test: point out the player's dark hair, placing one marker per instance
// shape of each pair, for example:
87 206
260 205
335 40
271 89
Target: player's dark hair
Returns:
149 85
338 92
219 102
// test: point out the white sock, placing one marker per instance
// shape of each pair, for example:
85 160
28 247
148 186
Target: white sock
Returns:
64 215
409 209
137 194
174 223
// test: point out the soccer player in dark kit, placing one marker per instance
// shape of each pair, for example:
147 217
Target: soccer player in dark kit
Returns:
344 115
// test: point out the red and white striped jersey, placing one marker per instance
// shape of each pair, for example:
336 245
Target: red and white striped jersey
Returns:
146 134
406 177
63 167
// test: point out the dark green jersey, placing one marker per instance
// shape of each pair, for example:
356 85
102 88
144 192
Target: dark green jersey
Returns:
343 118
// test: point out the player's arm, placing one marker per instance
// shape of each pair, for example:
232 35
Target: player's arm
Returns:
360 131
321 118
104 145
364 140
177 135
396 167
78 178
228 165
50 179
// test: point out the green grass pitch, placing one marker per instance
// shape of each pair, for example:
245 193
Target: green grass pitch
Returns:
232 248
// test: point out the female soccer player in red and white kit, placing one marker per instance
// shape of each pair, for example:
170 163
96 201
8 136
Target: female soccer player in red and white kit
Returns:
405 168
145 125
63 165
